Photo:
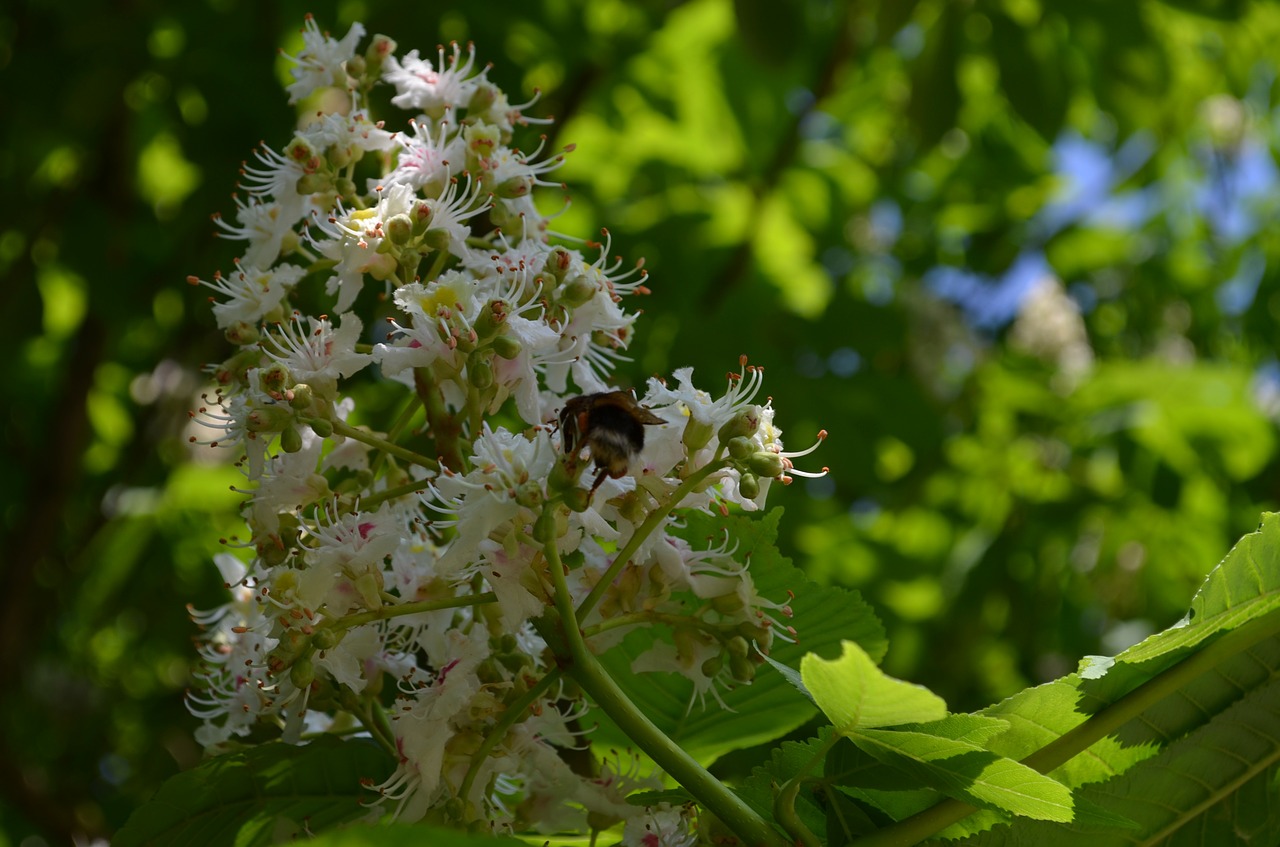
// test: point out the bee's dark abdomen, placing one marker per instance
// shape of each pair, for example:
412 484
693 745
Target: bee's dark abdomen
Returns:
620 429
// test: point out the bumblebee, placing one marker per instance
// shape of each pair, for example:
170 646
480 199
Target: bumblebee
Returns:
611 424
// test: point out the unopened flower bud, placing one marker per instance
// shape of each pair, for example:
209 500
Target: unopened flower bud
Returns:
301 396
314 184
577 499
479 372
380 47
696 434
302 673
367 584
485 95
481 141
421 216
436 239
242 333
273 418
275 379
355 67
321 427
506 346
301 151
740 447
290 439
712 666
516 186
729 604
326 639
577 290
749 485
491 318
766 464
341 155
529 494
400 229
742 668
345 186
558 262
744 423
560 480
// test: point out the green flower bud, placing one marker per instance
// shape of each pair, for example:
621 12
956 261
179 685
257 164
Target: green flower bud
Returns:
321 427
272 418
421 216
544 527
479 372
314 184
558 262
242 334
529 494
516 186
766 464
301 397
560 480
275 379
290 439
436 239
744 423
326 639
400 229
506 346
577 499
302 673
742 668
712 666
485 95
740 447
728 604
577 290
370 589
345 186
355 67
749 485
300 150
380 47
696 434
491 318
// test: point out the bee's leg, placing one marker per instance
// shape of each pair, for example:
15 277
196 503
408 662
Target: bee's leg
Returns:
599 479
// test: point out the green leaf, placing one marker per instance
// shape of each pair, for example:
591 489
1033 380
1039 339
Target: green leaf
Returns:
788 760
769 707
855 694
262 795
968 772
1031 73
1245 585
935 92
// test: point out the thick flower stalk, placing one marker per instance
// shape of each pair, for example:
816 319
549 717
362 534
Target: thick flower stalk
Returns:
435 576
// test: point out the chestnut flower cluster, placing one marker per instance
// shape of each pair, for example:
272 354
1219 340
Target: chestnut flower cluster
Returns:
415 581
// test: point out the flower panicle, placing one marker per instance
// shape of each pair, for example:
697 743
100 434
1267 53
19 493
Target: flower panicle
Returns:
417 552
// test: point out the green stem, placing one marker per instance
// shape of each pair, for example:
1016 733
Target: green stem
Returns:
650 617
586 670
388 612
652 522
1093 729
344 428
513 715
397 429
784 803
377 497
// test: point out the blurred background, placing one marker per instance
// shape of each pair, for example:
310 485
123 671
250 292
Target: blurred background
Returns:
1018 257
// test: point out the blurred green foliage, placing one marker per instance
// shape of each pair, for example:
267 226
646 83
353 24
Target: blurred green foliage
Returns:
859 196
